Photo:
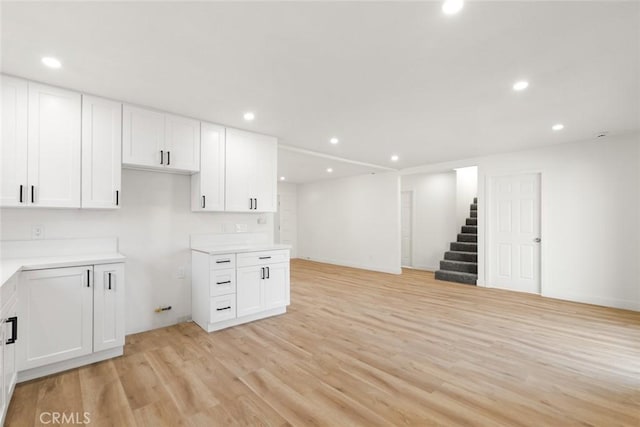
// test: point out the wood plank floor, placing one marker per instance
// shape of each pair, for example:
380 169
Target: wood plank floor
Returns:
365 348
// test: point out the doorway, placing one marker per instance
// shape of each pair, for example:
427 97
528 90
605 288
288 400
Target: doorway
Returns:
514 232
406 221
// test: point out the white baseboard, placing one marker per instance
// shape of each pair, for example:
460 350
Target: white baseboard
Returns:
354 265
65 365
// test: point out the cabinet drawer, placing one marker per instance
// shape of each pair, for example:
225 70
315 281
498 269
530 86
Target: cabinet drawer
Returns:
222 282
261 258
221 262
223 308
8 290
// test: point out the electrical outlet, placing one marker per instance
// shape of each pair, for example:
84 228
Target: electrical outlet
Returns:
262 220
37 232
180 274
241 228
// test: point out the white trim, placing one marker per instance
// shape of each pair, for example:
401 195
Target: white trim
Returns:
53 368
211 327
336 158
593 299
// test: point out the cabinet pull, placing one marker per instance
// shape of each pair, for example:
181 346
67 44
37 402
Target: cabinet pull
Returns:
262 270
162 157
88 278
204 202
250 204
168 158
33 189
117 197
222 261
255 204
268 273
20 193
223 283
14 329
109 274
264 257
224 308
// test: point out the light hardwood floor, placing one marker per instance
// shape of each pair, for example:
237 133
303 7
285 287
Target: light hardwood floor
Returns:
365 348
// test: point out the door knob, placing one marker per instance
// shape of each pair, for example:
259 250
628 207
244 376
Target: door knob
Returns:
537 240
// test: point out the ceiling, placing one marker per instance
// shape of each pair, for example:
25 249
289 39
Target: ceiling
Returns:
384 77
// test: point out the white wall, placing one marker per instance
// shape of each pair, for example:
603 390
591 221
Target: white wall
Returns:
351 221
286 219
466 190
434 217
153 227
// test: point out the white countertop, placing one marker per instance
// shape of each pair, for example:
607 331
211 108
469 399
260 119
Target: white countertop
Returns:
10 266
234 249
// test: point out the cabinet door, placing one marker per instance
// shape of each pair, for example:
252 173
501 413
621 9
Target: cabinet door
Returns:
13 146
265 173
56 315
240 169
142 137
249 298
101 152
207 187
9 370
182 143
108 306
276 286
53 147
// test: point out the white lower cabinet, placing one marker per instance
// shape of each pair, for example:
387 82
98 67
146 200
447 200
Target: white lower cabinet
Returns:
67 313
231 289
8 338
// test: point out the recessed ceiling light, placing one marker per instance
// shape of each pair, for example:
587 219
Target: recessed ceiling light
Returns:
248 116
394 158
329 170
557 126
451 7
51 62
282 178
334 140
521 85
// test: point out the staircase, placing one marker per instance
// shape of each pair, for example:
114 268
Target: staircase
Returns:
460 264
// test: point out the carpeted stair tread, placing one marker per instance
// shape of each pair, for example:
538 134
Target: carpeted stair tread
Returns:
472 221
462 266
464 246
474 206
468 237
461 256
470 229
456 276
474 214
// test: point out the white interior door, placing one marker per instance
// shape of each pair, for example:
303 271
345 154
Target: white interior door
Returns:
514 233
406 220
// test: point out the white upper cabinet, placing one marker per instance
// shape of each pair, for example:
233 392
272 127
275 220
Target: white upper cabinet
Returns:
207 187
182 143
142 137
101 152
156 140
251 168
13 146
53 167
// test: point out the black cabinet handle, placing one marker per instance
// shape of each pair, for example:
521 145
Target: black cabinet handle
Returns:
204 202
264 257
268 272
88 278
250 204
168 158
223 308
223 283
223 261
20 193
14 329
262 270
109 274
255 204
117 197
33 189
162 157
